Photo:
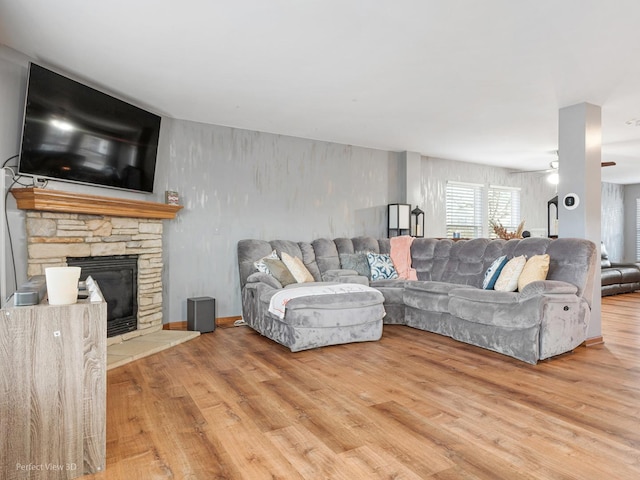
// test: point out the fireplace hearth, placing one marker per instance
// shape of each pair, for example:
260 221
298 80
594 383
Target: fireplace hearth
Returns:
117 276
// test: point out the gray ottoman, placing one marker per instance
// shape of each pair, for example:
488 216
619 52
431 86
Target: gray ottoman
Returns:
318 321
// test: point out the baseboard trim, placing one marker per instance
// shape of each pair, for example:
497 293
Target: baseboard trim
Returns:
222 322
590 342
175 326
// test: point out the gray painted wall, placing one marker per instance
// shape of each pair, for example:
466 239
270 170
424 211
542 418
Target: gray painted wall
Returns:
631 193
534 194
13 79
237 184
612 218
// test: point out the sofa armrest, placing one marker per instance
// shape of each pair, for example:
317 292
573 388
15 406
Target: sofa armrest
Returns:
261 277
344 276
547 287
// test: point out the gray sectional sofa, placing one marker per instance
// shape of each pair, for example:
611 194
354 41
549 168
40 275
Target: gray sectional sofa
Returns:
545 319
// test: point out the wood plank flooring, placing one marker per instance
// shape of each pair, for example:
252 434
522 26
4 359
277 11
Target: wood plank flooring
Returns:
415 405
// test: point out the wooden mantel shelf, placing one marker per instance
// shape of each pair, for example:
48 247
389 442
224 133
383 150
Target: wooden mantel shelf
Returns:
68 202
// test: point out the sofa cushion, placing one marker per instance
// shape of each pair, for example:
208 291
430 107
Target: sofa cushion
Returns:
370 244
429 296
429 256
629 273
392 289
292 248
309 260
344 245
536 268
381 266
492 307
610 276
267 278
248 252
326 255
468 261
508 279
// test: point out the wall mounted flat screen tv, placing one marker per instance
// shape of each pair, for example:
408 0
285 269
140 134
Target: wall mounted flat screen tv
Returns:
74 133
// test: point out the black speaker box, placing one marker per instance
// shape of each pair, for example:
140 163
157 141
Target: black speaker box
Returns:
201 314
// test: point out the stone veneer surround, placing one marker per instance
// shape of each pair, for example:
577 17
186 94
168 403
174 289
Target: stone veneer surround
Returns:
52 237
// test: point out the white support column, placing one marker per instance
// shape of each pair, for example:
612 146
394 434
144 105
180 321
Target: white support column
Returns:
412 164
3 247
412 172
579 148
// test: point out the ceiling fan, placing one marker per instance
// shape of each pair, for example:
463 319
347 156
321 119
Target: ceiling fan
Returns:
553 166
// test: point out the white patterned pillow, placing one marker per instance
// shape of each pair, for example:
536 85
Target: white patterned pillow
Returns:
381 266
508 279
261 266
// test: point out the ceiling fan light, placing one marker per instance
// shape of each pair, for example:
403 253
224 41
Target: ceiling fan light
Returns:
553 178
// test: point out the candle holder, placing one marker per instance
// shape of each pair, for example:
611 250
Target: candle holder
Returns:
417 222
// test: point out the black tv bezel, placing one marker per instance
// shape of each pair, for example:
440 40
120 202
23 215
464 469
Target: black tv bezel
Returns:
112 97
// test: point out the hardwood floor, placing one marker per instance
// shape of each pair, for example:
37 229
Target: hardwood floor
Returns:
415 405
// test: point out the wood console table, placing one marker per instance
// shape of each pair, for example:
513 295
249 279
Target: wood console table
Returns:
53 390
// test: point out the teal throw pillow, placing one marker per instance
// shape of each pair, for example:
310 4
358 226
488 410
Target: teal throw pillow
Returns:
357 262
493 272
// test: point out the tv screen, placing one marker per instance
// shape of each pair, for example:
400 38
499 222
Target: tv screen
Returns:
74 133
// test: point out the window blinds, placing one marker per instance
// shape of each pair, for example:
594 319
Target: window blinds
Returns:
464 205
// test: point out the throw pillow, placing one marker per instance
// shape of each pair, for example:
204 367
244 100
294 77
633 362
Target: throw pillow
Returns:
508 279
261 266
280 271
297 268
536 268
357 262
493 272
381 266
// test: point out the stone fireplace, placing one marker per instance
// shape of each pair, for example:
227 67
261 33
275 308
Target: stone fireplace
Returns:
69 231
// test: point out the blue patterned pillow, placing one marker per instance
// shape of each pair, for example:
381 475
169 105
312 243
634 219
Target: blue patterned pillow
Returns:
493 272
381 266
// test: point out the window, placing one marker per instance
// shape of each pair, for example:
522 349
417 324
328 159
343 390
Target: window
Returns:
464 209
504 207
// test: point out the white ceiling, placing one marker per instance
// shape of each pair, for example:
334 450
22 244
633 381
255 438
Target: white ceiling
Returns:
478 81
